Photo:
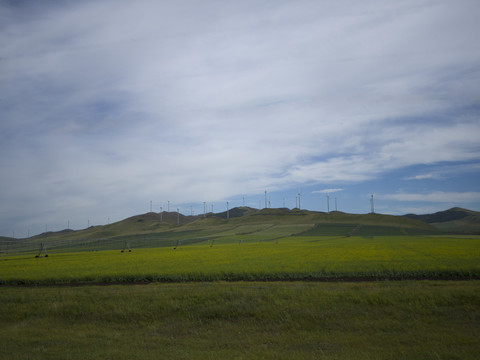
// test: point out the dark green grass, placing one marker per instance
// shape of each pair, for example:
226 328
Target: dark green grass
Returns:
365 230
380 320
330 230
372 230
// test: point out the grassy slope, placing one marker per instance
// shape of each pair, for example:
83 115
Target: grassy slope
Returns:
150 223
156 230
381 320
468 224
454 220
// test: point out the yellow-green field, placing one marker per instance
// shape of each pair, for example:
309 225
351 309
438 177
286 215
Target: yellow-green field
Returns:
289 258
199 315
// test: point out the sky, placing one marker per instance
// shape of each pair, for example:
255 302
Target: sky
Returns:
110 108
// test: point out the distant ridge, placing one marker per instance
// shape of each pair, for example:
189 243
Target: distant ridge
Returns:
235 212
454 220
452 214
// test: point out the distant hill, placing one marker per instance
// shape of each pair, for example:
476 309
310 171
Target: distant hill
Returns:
167 217
456 220
244 224
173 224
235 212
53 233
452 214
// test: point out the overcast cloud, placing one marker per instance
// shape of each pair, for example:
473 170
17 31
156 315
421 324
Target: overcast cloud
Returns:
106 105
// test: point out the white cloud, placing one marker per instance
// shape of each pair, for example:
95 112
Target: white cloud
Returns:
437 196
326 191
422 177
205 101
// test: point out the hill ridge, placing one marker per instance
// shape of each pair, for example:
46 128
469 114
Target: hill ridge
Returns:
152 222
455 213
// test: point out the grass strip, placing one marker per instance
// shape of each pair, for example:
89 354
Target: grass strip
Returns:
238 277
243 320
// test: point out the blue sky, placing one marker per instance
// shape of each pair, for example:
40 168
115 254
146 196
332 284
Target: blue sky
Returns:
107 105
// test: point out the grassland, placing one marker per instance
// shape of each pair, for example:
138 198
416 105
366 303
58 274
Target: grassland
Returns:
191 309
161 230
292 320
290 258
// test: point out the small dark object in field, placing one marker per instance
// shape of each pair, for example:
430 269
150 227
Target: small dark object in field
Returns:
37 256
44 249
126 246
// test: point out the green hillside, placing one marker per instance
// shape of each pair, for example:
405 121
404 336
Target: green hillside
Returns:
455 220
452 214
240 225
169 225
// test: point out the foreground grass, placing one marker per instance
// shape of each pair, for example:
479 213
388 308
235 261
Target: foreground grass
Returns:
380 320
290 258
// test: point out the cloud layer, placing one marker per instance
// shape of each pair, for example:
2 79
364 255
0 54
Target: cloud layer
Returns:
106 104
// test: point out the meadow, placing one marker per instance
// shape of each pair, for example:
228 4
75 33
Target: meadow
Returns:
247 292
243 320
234 258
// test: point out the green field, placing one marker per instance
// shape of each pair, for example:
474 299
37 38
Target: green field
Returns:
294 257
281 320
272 284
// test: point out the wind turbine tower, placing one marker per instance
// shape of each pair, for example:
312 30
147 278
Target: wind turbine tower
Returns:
299 205
371 205
328 203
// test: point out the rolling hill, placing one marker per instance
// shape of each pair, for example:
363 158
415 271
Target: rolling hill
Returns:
249 224
172 224
454 220
245 224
